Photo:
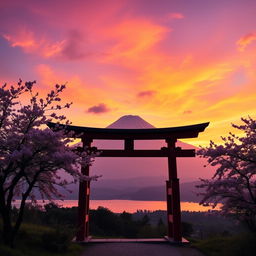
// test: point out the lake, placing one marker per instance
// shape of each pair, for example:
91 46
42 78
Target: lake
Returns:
131 206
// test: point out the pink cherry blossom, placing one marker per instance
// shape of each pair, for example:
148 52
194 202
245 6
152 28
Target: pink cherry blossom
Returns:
31 155
234 182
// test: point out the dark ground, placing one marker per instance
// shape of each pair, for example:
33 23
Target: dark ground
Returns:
138 249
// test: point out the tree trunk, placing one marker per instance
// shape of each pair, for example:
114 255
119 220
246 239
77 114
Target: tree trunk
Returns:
10 231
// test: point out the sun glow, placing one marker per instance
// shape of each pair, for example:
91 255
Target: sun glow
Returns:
197 70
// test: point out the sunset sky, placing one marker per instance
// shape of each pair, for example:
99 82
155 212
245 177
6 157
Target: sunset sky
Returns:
171 62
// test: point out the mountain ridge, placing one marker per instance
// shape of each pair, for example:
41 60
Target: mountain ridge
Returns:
188 192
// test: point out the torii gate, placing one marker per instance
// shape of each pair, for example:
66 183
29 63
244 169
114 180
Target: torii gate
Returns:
170 135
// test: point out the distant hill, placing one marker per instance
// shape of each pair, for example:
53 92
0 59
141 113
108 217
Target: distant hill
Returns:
188 193
131 190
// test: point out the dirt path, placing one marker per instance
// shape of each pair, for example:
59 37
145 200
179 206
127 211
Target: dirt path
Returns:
138 249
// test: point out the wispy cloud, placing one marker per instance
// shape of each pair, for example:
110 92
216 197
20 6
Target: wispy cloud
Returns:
244 41
72 48
76 47
126 48
29 43
174 15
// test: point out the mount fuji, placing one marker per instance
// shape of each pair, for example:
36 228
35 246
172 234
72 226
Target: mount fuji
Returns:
130 122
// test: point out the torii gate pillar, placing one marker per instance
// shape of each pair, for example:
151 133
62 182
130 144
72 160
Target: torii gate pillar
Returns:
173 196
83 200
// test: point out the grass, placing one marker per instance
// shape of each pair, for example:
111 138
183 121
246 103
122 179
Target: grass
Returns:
30 243
239 245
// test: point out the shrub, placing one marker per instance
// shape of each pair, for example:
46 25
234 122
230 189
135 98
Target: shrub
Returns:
240 245
56 241
187 229
7 251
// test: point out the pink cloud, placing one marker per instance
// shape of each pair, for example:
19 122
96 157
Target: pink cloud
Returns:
73 47
29 43
24 39
175 15
244 41
77 47
98 109
148 93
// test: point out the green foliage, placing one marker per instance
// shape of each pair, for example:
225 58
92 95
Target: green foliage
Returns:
161 228
104 223
129 226
145 220
30 242
7 251
52 215
243 244
56 241
56 216
186 229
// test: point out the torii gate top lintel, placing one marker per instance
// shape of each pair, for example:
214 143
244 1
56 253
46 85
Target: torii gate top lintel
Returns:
180 132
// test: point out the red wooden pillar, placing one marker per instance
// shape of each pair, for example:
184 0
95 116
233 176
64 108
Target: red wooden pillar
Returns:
173 195
83 201
169 209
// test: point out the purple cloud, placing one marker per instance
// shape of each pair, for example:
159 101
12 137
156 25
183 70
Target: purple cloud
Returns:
148 93
73 49
98 109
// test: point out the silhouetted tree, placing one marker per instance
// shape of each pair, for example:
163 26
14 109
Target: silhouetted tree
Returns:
145 220
234 182
30 154
104 222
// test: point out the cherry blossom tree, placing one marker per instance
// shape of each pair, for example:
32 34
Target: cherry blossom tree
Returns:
31 154
234 183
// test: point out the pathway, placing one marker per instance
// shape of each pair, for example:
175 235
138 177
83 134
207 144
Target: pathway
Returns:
138 249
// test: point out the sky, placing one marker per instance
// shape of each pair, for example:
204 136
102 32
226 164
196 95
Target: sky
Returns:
171 62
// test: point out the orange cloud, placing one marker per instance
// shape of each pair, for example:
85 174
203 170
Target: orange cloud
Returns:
244 41
133 37
79 91
49 76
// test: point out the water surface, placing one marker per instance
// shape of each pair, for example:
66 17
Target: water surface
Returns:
131 206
